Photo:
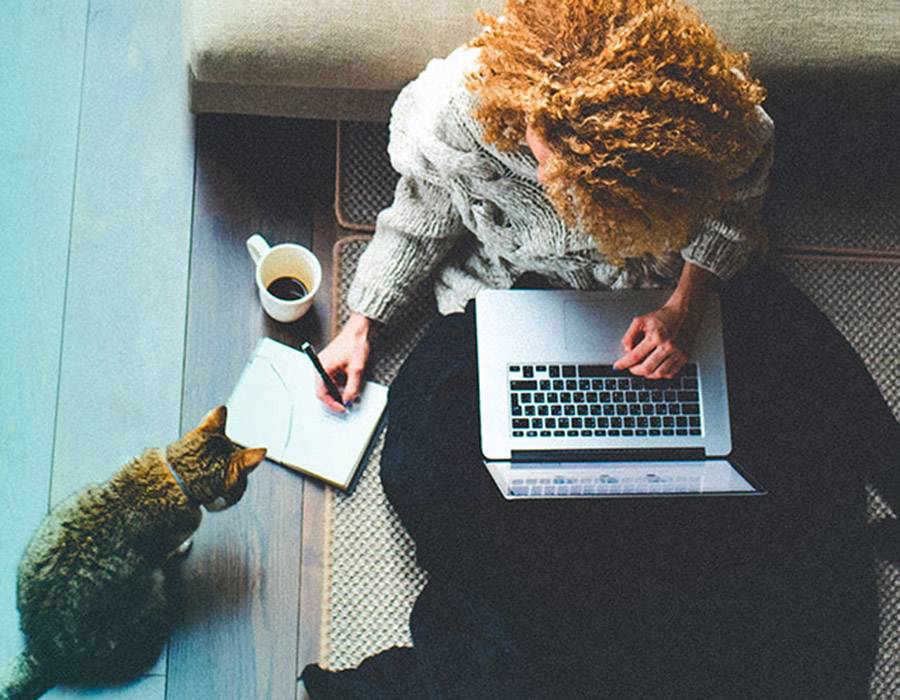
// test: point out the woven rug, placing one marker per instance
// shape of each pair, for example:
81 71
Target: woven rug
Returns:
374 580
862 222
364 179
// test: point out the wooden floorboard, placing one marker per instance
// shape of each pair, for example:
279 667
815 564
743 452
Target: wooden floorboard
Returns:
120 383
41 58
125 317
120 379
150 687
314 562
315 577
242 579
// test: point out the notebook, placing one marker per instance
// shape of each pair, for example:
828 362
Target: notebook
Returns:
558 421
274 405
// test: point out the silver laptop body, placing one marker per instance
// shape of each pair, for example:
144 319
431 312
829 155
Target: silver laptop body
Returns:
558 421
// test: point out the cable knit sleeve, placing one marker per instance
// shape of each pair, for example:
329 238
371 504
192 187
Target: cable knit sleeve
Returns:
428 146
724 242
412 237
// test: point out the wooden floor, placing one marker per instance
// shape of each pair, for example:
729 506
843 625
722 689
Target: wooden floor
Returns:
128 309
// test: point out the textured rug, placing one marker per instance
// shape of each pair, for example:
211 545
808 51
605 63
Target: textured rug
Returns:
372 587
364 179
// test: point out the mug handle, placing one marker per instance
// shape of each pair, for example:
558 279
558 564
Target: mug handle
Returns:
257 246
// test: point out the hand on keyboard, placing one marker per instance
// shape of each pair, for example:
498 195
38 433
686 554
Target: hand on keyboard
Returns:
657 343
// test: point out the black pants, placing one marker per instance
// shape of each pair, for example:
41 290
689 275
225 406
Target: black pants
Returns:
768 597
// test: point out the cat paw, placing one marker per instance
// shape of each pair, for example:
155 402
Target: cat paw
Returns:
185 547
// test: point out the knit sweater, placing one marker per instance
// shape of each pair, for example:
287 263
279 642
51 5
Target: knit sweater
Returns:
467 216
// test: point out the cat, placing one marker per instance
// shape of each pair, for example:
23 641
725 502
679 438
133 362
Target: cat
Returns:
89 587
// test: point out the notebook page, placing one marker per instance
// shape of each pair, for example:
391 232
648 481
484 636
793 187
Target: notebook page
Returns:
274 406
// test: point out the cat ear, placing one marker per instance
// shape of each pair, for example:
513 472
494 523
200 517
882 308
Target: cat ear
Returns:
214 421
251 459
243 463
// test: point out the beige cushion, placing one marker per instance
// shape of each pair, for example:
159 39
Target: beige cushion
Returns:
804 35
353 46
348 58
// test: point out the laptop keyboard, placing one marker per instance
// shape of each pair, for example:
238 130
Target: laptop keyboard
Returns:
566 401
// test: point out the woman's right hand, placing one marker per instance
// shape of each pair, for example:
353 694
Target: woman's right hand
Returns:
344 358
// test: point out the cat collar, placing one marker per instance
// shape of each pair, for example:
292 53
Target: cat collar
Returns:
191 500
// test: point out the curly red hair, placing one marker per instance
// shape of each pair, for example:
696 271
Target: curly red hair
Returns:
646 114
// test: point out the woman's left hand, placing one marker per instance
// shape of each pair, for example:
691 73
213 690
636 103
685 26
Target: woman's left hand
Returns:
657 344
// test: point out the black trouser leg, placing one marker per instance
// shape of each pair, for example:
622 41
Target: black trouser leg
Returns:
633 583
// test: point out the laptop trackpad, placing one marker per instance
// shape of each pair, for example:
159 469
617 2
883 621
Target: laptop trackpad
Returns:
596 327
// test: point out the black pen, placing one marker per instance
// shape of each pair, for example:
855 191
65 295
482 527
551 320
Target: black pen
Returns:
333 391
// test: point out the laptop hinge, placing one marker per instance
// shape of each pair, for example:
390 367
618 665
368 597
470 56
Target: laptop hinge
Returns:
620 455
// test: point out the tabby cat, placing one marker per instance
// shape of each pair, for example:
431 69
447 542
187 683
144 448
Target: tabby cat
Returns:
90 594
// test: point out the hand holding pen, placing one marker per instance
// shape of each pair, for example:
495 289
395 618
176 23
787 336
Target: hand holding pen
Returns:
331 388
344 359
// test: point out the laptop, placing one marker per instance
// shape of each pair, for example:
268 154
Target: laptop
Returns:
557 421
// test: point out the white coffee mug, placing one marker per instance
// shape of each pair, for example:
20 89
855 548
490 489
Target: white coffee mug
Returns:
284 260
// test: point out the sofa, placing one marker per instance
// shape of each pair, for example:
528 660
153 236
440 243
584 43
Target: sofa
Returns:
344 59
347 59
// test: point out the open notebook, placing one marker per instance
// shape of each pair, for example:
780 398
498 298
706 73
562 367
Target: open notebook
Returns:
274 406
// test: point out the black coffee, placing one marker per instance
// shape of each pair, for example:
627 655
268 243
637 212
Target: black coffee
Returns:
287 288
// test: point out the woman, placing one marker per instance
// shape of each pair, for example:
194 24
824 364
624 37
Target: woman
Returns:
607 144
646 135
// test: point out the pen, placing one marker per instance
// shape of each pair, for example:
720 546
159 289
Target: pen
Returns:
333 391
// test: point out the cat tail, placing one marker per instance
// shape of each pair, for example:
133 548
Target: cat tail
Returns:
24 678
